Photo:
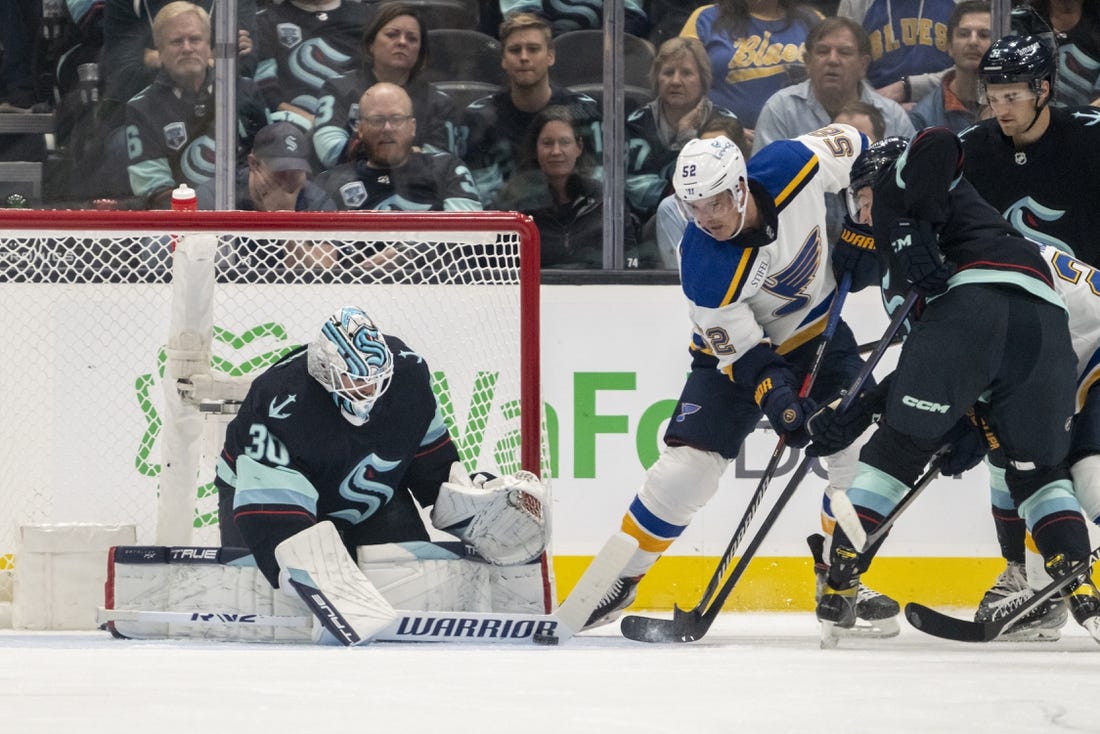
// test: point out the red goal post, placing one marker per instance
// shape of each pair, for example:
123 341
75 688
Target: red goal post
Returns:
88 298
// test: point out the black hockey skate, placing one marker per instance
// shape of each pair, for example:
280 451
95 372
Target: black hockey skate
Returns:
1082 597
1008 592
620 596
836 610
876 613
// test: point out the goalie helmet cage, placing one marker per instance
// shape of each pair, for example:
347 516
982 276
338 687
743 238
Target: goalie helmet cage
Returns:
88 298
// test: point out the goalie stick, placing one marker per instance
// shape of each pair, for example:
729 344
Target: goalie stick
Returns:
934 623
686 626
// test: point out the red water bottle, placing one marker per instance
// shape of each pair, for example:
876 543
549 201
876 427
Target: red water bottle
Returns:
184 199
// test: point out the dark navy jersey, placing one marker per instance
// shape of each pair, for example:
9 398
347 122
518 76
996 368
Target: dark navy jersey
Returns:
493 131
293 459
300 49
1049 190
425 182
170 133
336 128
926 184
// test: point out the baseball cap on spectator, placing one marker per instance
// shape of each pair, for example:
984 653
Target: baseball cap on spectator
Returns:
282 146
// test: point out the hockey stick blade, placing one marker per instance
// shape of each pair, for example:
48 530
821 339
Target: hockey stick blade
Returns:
691 625
937 624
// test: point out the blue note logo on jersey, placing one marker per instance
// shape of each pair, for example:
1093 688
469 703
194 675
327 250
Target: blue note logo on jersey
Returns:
791 282
687 409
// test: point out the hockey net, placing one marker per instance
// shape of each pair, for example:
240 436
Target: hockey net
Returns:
88 300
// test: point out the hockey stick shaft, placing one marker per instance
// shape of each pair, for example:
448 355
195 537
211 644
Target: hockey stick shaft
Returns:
773 463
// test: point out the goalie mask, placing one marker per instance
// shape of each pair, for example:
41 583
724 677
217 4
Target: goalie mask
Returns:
707 168
351 360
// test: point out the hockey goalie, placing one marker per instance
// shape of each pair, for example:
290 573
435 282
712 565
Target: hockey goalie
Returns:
324 470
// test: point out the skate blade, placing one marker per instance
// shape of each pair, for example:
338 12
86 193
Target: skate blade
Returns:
829 636
1092 624
879 629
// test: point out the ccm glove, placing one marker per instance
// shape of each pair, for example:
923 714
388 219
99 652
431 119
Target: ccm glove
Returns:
831 431
918 253
778 398
854 255
967 446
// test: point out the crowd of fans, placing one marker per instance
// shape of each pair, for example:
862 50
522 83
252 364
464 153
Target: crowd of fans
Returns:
336 108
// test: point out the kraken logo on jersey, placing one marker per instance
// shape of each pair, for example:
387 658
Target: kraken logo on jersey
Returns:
1026 214
359 486
1090 116
354 193
197 162
290 34
791 282
175 135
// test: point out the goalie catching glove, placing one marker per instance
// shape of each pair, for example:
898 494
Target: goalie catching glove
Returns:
502 518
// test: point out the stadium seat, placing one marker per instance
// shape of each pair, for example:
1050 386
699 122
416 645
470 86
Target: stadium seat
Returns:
464 92
457 54
633 96
579 59
444 13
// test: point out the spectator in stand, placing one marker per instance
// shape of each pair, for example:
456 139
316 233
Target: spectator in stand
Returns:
302 43
389 173
908 44
863 117
170 124
955 104
1076 27
394 50
751 44
669 222
837 54
277 175
680 77
577 15
131 60
493 126
553 185
19 23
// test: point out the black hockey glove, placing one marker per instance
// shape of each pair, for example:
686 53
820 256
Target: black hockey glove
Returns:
831 432
777 396
854 254
918 253
967 446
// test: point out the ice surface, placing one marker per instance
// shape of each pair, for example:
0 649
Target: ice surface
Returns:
752 673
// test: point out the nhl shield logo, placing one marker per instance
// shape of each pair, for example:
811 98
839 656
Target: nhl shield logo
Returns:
175 135
353 194
290 35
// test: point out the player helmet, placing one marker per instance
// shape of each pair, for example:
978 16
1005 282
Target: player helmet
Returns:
1014 59
351 360
869 166
706 168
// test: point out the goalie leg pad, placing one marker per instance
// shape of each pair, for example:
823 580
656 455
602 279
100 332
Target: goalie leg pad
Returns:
316 565
504 519
425 576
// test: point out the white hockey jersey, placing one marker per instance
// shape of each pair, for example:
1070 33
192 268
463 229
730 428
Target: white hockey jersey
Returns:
774 284
1079 286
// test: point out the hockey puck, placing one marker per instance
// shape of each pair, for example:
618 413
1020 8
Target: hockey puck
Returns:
541 639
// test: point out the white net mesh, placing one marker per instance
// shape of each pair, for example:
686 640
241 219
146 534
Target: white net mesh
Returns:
86 303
